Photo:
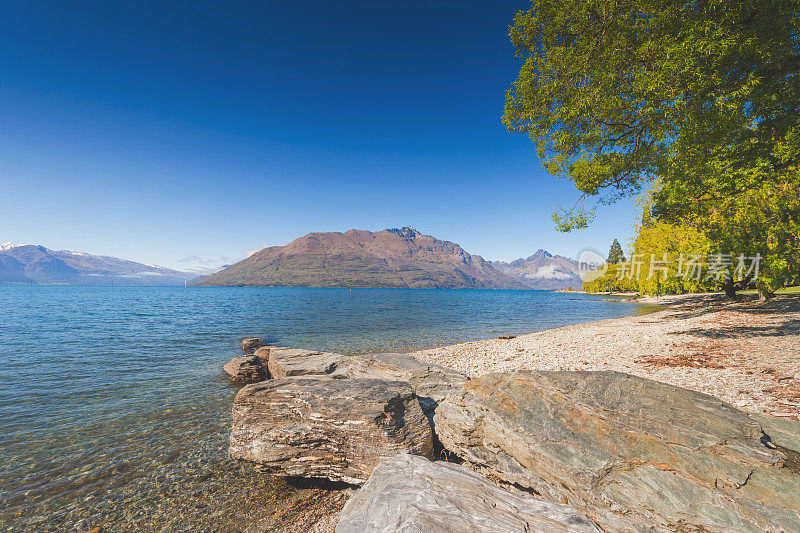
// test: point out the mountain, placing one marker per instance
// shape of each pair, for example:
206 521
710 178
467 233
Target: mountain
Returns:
389 258
27 264
202 277
543 270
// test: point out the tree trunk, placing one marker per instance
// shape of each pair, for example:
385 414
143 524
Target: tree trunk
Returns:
730 287
765 292
765 295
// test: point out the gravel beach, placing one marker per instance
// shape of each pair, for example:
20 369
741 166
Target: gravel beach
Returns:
746 352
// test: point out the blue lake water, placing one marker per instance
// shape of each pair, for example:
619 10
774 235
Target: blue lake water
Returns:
114 411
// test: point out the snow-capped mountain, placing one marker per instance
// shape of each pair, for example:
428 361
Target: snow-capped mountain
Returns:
33 264
543 270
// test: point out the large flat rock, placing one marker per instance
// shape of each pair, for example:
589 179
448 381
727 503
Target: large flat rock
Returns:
431 382
292 362
632 452
411 494
782 432
338 429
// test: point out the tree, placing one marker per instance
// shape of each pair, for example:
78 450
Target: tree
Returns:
702 95
615 254
763 222
667 259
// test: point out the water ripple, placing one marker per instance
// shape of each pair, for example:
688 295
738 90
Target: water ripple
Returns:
113 410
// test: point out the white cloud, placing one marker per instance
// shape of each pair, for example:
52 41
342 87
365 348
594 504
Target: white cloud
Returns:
549 272
196 264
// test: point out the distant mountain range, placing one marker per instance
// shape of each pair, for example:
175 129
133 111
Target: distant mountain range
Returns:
399 258
390 258
32 264
543 270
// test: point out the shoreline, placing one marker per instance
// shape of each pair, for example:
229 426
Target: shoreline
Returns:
746 352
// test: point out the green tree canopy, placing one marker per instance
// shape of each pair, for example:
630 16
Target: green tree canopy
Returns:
702 95
615 254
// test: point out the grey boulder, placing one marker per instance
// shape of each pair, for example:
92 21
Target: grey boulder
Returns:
247 369
431 382
411 494
631 452
292 362
327 428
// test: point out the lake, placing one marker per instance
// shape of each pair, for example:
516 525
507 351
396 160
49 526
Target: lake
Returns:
114 409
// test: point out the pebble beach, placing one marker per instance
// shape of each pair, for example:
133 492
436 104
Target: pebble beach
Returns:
746 352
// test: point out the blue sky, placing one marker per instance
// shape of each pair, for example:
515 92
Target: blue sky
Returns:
186 133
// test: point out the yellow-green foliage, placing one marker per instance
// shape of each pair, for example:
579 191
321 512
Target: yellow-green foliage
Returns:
654 241
764 220
666 242
611 281
702 96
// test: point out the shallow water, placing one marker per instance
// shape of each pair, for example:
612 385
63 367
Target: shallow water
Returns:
114 411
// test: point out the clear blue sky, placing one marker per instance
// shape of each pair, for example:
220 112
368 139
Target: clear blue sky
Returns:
166 131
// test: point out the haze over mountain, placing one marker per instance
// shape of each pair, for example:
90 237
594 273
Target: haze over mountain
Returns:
26 264
543 270
357 258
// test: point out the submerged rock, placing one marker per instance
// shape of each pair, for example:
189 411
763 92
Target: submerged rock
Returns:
631 452
431 382
251 344
327 428
291 362
409 493
247 369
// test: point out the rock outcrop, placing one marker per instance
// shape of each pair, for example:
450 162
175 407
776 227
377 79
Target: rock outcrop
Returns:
292 362
630 452
408 493
338 429
247 369
251 344
431 382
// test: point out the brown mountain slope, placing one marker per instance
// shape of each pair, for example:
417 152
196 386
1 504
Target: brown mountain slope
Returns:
389 258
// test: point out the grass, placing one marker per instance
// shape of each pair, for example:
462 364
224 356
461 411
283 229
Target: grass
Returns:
785 290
